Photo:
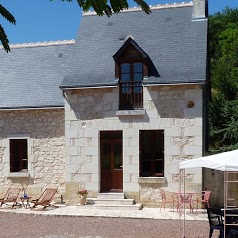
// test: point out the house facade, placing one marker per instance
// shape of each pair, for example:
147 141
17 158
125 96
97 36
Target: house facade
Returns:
113 111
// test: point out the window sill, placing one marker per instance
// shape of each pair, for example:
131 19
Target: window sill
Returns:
151 180
18 175
130 112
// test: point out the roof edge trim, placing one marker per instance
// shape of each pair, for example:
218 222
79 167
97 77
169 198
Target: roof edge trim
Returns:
40 44
154 7
172 84
86 87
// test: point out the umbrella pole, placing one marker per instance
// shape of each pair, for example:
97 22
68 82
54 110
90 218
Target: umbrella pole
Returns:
183 203
182 177
225 199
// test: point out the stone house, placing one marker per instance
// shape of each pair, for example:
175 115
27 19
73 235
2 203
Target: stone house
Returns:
113 111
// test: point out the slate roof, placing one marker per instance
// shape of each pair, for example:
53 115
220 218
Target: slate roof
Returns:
175 43
30 75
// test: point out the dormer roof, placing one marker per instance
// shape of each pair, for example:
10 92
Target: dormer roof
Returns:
128 42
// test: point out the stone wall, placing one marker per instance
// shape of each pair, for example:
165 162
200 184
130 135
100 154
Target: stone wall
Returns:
214 181
46 160
175 109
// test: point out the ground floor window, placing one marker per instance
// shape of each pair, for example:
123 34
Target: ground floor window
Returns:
18 155
151 153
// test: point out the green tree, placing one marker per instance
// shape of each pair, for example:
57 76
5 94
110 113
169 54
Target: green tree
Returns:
3 37
107 7
101 7
223 116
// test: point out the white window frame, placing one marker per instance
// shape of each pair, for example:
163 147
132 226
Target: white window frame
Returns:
6 157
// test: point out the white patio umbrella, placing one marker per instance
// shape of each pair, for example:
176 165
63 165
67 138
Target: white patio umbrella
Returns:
226 161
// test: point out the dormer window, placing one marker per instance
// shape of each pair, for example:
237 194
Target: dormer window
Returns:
130 85
132 65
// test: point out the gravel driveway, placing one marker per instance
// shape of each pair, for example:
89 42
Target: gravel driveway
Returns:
40 226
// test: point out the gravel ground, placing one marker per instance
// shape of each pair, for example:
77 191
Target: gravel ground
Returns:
40 226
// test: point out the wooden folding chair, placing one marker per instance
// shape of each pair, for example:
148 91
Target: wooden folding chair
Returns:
11 197
45 198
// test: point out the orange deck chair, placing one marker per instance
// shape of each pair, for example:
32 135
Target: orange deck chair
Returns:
45 198
11 197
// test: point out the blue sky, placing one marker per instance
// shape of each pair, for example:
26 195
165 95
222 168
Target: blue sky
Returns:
43 20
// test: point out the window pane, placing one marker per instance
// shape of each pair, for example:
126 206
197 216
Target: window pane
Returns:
159 166
125 77
137 67
138 76
146 142
125 68
151 153
18 155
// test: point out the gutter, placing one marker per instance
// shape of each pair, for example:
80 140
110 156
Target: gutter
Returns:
30 108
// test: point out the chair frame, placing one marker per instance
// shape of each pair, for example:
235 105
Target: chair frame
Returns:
11 196
167 198
45 198
203 198
215 213
183 199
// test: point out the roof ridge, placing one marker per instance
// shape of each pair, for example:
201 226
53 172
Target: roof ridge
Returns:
40 44
152 7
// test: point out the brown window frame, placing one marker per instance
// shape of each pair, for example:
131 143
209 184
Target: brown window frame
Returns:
131 91
18 155
152 157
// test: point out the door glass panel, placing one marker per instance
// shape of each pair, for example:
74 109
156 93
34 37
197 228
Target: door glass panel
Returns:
117 135
117 162
137 76
125 77
137 67
106 160
125 68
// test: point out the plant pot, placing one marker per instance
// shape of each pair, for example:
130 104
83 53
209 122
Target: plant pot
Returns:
82 200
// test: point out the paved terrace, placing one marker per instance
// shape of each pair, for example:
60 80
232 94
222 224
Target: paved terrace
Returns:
89 211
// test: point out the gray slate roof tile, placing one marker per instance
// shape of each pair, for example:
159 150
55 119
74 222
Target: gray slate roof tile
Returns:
30 76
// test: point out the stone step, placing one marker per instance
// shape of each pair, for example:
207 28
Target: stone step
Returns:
111 201
110 196
112 207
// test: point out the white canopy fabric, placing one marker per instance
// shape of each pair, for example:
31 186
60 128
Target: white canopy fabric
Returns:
226 161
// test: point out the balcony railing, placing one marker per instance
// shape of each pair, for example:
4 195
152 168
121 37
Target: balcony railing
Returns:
131 95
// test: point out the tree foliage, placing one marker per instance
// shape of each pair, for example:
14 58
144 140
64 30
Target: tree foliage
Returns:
223 116
107 7
9 17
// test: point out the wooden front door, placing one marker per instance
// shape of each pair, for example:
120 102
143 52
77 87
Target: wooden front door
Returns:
111 161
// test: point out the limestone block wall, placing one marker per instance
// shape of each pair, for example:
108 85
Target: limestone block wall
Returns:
214 181
46 149
175 109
